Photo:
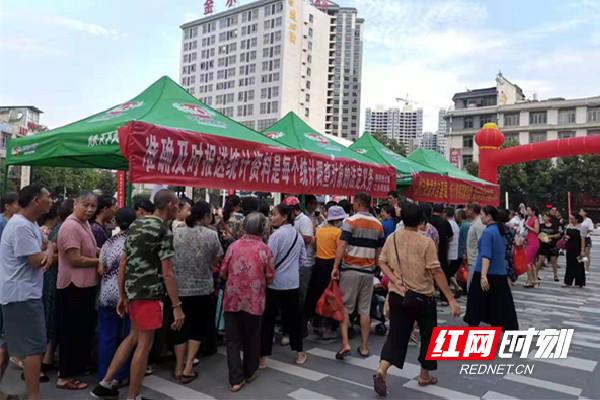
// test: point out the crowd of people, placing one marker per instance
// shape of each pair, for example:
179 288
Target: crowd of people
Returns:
109 290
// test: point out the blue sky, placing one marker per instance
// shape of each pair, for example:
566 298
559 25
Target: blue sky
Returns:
74 58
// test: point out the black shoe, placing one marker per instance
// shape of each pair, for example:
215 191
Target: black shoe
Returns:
100 392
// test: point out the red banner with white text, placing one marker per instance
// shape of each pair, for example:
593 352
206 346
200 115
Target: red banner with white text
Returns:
177 157
445 189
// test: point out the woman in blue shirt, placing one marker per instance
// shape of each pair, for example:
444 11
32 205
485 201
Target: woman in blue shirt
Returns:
490 299
388 219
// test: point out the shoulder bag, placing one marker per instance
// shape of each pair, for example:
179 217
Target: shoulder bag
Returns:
288 252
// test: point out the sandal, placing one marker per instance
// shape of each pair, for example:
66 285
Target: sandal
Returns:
185 379
379 385
340 355
301 360
237 388
360 353
75 384
431 381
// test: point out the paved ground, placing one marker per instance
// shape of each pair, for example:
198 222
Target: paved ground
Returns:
550 306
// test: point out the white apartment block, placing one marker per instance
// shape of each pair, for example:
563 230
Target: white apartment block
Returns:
344 73
526 121
257 62
404 125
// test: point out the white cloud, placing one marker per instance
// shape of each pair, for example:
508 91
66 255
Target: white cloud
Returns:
27 45
63 22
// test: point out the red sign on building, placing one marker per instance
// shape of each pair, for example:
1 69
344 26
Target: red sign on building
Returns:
209 7
456 157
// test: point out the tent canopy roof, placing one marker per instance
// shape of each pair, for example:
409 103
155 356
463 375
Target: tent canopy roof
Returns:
292 131
93 141
435 160
375 150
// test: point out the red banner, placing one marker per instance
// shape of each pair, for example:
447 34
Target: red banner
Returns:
184 158
121 189
445 189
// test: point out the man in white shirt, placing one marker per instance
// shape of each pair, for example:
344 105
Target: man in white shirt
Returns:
475 231
587 227
304 226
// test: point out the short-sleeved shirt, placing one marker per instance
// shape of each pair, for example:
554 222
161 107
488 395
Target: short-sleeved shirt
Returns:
196 250
586 227
418 256
326 240
287 275
248 264
492 246
76 234
475 231
305 227
462 238
363 234
149 242
453 244
445 234
100 233
19 281
389 226
111 254
553 229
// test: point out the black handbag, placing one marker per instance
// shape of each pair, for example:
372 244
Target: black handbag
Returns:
413 301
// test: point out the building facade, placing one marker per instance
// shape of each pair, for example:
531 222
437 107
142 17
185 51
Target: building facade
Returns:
16 121
404 125
344 72
257 62
525 121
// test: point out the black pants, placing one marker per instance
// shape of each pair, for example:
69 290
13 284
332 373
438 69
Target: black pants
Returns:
76 323
401 325
575 271
199 313
449 271
242 333
319 280
287 301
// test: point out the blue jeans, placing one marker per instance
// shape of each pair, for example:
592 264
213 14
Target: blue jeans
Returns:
111 330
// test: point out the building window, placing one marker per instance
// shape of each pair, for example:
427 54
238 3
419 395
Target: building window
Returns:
593 114
484 119
538 137
468 142
467 159
513 137
511 119
566 134
566 117
468 123
311 18
306 112
537 118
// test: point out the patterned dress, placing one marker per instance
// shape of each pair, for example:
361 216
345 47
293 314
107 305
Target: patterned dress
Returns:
510 243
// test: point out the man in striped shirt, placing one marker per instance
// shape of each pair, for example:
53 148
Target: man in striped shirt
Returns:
356 259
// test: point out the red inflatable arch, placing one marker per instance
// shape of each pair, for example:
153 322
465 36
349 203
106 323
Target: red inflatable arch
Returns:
491 156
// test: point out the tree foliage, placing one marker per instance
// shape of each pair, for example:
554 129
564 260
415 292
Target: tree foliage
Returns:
71 181
395 145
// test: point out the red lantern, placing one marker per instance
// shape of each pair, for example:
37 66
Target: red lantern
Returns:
489 137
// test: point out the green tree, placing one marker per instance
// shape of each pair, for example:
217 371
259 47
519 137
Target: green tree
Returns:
513 179
395 145
472 168
71 181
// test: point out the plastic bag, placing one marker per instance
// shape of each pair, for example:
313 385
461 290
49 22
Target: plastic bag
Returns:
462 275
562 243
331 303
520 260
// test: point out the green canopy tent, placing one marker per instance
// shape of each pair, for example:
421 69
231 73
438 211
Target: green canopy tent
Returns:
293 132
434 160
370 147
93 142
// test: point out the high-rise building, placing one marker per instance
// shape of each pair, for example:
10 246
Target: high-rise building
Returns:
16 121
442 122
344 72
520 119
404 125
258 61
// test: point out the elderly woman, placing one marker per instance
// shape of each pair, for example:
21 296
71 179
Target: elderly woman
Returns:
248 268
76 292
197 251
112 329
